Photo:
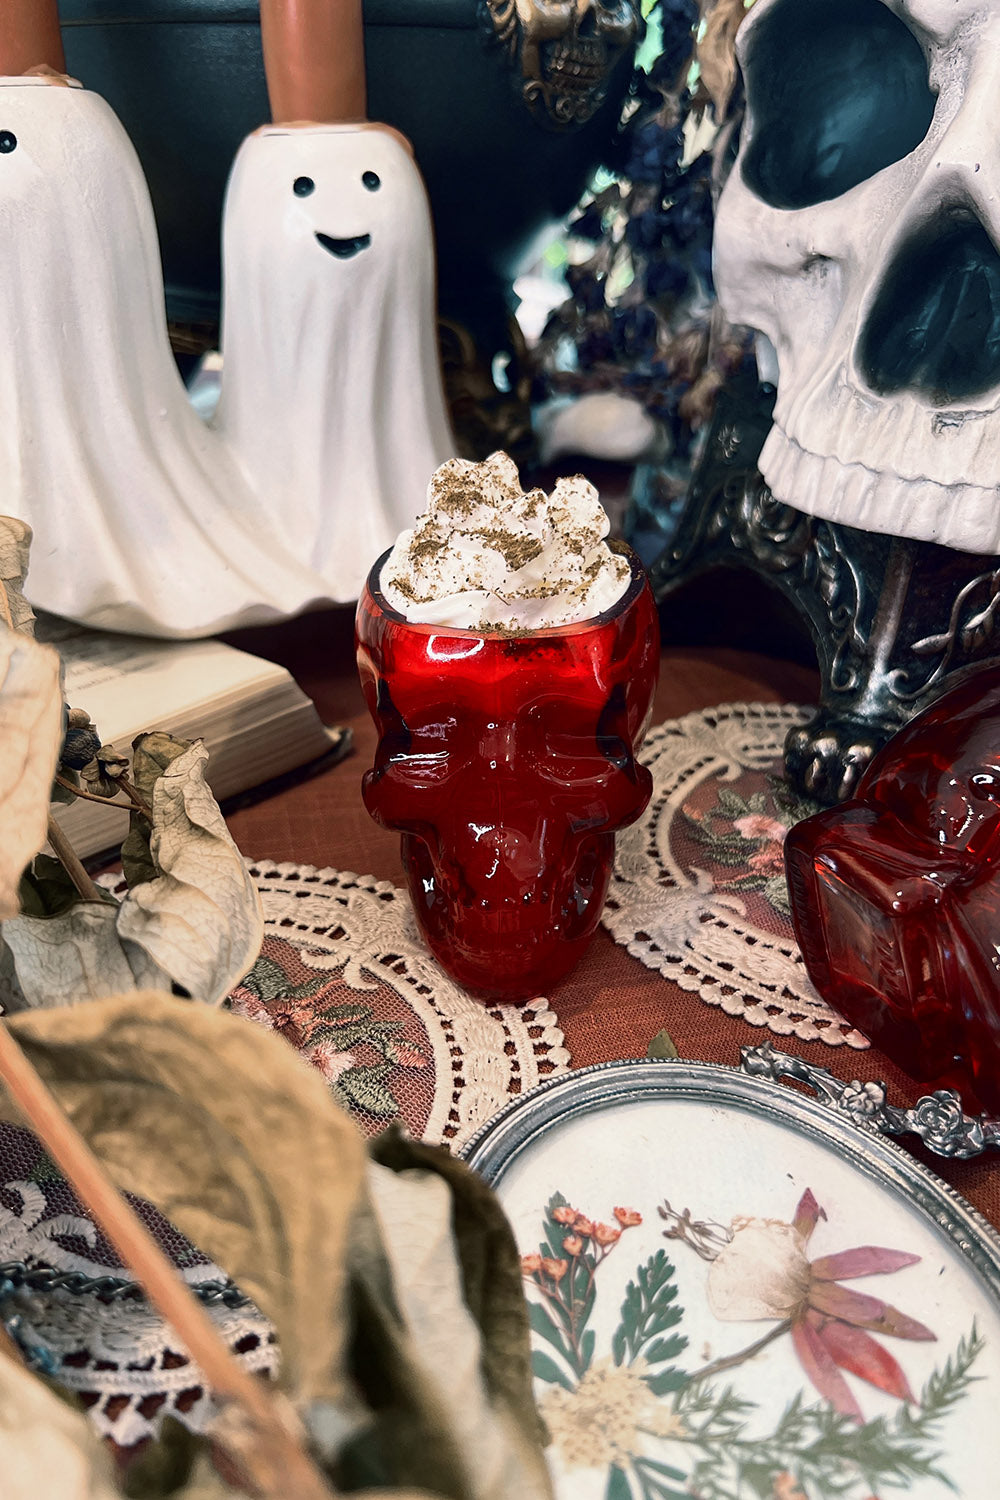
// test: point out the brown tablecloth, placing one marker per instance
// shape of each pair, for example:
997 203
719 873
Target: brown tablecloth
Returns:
611 1005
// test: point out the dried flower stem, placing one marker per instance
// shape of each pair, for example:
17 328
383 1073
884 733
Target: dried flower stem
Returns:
135 797
730 1361
274 1461
87 796
70 862
132 793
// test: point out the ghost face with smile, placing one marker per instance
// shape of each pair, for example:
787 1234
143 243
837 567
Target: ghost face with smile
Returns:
331 391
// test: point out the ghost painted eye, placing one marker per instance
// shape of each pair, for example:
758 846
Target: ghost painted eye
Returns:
372 181
8 141
303 186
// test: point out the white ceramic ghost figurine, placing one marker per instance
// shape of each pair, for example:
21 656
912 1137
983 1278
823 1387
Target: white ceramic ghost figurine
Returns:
143 518
332 417
858 231
331 391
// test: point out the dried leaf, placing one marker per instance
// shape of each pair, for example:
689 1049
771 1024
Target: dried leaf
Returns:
234 1138
416 1209
49 1450
77 955
152 754
492 1289
197 924
406 1439
716 53
45 888
15 543
201 919
30 738
663 1047
11 995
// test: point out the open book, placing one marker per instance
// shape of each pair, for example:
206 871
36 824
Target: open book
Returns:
255 721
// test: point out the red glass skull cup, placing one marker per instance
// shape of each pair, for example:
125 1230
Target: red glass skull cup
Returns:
895 895
507 762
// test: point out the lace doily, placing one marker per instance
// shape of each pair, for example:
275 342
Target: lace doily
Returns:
343 974
699 892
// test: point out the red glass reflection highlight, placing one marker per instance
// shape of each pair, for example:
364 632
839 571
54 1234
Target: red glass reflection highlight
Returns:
896 896
507 763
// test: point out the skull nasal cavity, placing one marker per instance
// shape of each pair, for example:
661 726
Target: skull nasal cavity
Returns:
935 324
837 90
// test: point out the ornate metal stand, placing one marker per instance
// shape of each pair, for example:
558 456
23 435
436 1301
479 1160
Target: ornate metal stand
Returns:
894 622
938 1118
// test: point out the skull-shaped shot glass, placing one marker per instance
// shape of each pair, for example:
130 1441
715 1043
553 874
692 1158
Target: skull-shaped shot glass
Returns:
507 762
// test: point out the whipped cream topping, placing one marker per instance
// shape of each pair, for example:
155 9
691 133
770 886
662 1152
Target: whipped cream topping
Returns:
488 556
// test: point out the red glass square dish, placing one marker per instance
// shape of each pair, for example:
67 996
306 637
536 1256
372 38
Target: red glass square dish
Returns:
896 896
507 762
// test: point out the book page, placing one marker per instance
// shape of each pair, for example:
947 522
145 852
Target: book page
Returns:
129 684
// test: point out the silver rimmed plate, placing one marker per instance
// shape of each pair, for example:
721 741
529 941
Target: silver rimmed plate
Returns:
737 1295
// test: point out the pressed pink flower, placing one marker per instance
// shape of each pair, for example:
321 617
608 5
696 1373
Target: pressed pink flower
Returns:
760 826
607 1234
555 1268
530 1264
628 1218
764 1273
572 1244
565 1215
583 1226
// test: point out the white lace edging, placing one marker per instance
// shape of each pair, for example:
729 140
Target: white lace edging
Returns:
675 921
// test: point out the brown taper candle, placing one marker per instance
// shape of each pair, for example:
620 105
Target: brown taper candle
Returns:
29 36
314 58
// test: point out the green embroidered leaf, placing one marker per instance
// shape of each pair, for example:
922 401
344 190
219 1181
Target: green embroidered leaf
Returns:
267 979
377 1034
587 1347
366 1088
547 1369
354 1010
776 891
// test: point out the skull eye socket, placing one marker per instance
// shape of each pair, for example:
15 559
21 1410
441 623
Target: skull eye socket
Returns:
934 326
838 90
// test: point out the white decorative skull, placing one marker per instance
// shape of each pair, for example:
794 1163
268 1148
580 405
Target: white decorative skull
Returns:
858 232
